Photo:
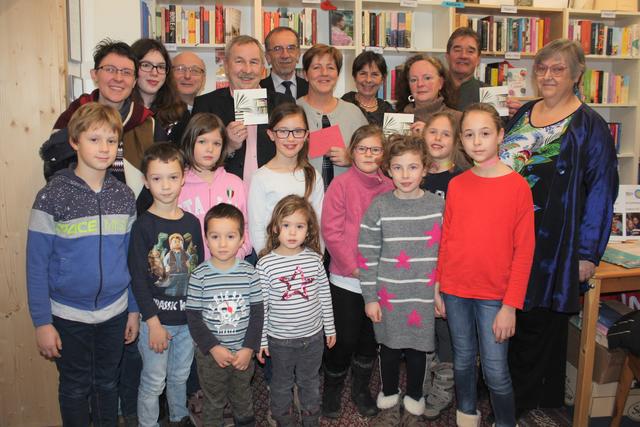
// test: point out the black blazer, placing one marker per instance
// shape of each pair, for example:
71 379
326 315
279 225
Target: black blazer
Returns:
302 86
220 103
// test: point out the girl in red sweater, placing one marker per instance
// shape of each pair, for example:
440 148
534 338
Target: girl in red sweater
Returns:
484 263
347 199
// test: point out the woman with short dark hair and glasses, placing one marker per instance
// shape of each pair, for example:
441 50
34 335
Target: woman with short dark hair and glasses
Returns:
565 151
369 72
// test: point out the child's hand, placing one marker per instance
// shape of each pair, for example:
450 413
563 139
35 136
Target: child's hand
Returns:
264 351
356 273
222 356
373 311
237 133
132 328
504 325
331 341
158 336
243 357
339 156
417 128
439 304
48 341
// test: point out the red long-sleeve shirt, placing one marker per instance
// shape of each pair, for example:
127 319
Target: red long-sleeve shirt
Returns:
488 238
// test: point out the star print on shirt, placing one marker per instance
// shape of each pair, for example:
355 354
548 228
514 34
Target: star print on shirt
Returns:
303 285
432 277
403 261
385 297
414 319
362 262
435 233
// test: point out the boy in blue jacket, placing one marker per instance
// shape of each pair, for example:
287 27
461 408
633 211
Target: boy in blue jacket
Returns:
78 281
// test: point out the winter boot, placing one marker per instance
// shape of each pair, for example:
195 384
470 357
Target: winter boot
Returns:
440 396
413 410
332 393
360 392
466 420
389 415
310 419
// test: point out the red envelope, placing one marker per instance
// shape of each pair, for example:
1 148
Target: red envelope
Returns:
321 140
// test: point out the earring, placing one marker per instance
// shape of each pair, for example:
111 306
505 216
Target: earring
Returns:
411 98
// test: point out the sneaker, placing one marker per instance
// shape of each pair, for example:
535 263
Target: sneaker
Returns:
185 422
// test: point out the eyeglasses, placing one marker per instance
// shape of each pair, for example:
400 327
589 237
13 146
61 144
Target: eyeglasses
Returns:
147 67
362 149
182 69
279 49
110 69
554 70
284 133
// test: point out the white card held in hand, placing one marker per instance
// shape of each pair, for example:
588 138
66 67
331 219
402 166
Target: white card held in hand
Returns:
399 123
496 96
251 106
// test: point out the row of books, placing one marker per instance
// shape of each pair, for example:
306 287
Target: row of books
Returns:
598 38
610 312
305 23
386 29
190 25
502 34
603 87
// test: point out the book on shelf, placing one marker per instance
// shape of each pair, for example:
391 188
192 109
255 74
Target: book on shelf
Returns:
604 87
508 34
304 22
598 38
341 27
616 133
387 29
189 25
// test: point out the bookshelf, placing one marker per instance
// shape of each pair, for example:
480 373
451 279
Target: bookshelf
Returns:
431 23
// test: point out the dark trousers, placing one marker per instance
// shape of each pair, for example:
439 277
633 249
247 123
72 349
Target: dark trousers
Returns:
443 341
130 379
390 370
89 370
355 330
222 384
537 358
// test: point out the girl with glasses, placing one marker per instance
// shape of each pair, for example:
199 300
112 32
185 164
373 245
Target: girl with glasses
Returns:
289 172
345 203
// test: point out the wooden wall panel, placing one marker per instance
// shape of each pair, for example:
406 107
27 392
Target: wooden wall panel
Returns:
32 88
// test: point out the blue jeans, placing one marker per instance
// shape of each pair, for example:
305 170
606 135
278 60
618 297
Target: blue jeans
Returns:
89 367
470 323
172 365
296 361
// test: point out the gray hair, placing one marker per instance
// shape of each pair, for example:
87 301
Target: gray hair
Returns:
240 40
570 51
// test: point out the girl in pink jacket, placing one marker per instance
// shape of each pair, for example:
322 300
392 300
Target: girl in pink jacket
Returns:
206 183
345 203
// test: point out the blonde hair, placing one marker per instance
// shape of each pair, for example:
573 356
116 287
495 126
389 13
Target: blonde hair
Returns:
94 114
284 208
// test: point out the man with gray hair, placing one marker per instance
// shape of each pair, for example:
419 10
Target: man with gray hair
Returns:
249 146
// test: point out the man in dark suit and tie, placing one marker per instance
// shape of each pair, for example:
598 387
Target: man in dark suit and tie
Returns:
283 52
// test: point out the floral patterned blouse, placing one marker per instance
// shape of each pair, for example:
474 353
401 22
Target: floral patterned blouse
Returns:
532 152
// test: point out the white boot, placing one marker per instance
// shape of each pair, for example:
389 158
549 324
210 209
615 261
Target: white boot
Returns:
466 420
414 407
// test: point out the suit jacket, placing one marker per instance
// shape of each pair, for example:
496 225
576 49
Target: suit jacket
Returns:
302 86
220 103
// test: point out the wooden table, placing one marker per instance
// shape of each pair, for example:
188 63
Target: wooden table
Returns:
608 278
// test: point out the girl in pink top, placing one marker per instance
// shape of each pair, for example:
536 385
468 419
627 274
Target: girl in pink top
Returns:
345 203
206 183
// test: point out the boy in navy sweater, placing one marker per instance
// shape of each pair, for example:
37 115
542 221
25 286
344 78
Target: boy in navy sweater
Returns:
166 245
77 277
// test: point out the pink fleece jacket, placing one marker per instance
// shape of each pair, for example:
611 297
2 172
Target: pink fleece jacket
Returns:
198 196
345 203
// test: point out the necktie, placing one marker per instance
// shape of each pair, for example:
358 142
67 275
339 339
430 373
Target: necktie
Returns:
287 90
327 166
